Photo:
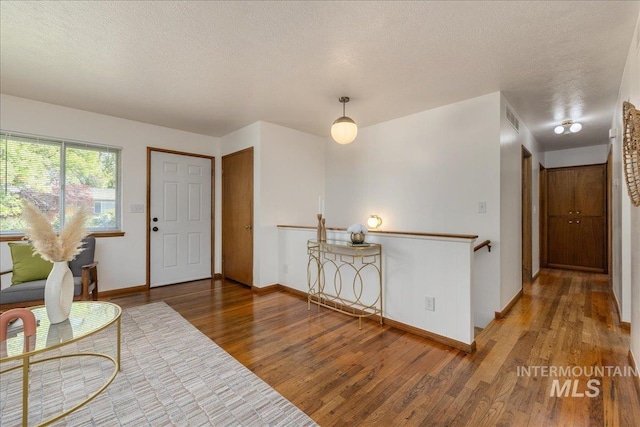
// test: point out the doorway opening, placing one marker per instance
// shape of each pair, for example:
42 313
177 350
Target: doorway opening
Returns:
526 217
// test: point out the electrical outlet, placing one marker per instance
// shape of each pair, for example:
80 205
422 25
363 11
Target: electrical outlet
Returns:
430 303
482 207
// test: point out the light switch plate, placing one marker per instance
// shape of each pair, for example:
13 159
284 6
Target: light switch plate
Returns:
482 207
136 208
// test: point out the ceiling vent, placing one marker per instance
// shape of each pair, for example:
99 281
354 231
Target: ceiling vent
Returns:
511 118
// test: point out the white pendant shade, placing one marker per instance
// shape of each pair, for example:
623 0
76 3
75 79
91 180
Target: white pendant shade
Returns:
344 130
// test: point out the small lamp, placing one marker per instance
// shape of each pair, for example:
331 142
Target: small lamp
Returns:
374 221
344 130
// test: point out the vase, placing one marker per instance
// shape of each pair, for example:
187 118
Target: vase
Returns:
58 292
357 238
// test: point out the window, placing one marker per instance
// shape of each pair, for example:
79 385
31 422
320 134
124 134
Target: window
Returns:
58 176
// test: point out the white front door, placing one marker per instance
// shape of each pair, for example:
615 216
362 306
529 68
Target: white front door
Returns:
180 211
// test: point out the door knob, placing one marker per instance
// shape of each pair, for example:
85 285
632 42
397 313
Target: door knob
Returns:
247 227
570 212
155 219
577 212
155 228
578 222
570 222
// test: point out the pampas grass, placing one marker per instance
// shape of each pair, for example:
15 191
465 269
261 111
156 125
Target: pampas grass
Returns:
50 246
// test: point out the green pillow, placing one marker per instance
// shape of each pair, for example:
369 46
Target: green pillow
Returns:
27 265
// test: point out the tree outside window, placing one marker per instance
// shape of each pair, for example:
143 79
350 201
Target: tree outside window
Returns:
57 176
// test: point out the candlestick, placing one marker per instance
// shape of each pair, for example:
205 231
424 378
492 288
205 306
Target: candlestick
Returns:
319 233
323 232
319 205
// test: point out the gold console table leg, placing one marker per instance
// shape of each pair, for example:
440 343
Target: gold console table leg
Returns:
25 391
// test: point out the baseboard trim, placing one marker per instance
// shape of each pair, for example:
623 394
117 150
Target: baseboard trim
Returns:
505 310
635 366
101 296
625 325
467 348
122 292
217 276
301 294
266 289
535 276
577 268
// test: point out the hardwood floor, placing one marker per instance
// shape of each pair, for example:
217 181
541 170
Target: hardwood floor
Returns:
381 376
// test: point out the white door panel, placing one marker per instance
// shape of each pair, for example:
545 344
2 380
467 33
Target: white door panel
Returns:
181 210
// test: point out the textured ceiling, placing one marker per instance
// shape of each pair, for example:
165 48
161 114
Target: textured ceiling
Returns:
214 67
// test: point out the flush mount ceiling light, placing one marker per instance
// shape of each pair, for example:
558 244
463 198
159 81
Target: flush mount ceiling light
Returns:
567 127
344 129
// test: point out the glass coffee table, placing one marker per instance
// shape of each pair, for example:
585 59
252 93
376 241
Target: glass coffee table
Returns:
86 319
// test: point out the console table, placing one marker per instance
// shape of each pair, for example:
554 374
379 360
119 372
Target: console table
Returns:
86 319
342 262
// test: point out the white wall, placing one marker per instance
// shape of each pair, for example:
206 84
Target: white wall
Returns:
596 154
626 217
292 175
426 173
122 259
288 177
511 143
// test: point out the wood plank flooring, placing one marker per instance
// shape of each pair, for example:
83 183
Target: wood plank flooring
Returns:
381 376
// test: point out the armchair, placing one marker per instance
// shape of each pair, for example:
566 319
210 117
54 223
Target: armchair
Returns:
85 277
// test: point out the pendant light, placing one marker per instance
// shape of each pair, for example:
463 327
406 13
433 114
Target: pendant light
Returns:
344 129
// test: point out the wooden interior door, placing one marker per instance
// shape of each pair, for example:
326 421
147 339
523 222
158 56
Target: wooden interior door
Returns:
560 199
560 250
526 217
590 182
237 216
577 221
590 239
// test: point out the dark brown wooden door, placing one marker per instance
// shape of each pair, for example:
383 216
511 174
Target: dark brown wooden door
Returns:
560 248
576 233
561 187
590 192
590 241
237 216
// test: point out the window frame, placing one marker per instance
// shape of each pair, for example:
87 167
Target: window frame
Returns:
10 235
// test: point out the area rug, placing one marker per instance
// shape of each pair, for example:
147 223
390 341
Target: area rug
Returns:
172 375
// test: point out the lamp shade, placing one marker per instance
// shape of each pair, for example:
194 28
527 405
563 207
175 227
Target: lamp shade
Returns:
374 221
344 130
